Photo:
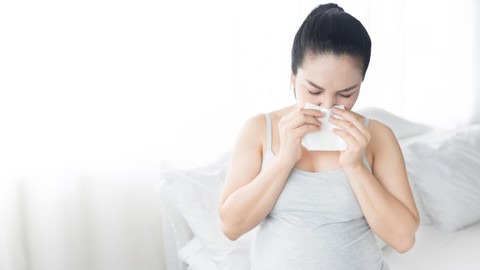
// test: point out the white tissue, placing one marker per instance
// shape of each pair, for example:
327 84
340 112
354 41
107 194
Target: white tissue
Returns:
324 139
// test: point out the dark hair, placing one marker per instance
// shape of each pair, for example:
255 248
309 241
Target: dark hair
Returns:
329 29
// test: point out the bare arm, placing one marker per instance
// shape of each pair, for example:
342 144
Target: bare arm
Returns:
244 203
384 194
249 195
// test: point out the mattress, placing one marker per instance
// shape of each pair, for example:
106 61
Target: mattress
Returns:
435 249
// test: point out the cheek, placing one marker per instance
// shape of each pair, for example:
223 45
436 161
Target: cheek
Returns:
348 103
303 97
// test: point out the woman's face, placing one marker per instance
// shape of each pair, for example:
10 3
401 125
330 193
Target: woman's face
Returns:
328 80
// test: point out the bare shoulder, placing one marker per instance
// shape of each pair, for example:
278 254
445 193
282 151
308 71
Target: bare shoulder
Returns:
384 148
245 159
378 130
382 137
255 122
253 131
381 134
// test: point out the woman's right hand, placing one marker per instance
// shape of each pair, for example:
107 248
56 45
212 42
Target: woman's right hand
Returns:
292 127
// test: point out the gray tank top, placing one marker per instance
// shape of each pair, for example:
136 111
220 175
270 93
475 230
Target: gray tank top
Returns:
316 223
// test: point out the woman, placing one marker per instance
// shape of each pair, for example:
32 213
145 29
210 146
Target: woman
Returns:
320 209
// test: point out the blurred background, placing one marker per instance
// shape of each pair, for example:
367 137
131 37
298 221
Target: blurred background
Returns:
98 97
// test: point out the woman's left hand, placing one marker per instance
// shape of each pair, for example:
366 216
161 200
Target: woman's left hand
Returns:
355 134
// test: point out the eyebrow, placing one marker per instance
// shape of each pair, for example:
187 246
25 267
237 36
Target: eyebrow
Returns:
343 90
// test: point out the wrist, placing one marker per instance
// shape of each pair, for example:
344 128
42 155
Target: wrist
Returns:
356 169
285 160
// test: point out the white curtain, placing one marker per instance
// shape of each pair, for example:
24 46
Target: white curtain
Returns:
98 97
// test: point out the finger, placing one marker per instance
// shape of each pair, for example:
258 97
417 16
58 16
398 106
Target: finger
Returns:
351 123
302 119
351 142
312 120
302 130
352 118
313 112
350 128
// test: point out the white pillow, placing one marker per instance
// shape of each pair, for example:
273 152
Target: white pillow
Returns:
425 218
196 194
401 127
445 170
196 256
176 232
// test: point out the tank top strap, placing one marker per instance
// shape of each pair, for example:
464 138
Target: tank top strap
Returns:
367 121
268 155
364 157
269 131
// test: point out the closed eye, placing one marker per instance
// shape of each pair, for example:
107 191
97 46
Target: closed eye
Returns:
346 94
315 92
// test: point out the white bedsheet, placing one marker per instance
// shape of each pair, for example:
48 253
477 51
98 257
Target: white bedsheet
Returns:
439 250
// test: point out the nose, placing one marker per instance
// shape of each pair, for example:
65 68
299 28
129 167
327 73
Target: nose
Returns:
328 102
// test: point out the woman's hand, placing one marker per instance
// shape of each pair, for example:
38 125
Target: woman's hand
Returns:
355 134
292 127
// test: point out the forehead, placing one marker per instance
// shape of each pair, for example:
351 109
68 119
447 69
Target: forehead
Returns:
331 71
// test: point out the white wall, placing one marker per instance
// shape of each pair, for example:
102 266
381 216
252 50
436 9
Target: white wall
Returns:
147 83
476 66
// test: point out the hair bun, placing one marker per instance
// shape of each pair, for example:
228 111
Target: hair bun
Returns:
325 8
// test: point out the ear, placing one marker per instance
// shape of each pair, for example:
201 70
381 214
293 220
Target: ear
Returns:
293 79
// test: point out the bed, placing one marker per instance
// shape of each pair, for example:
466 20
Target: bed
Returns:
444 172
